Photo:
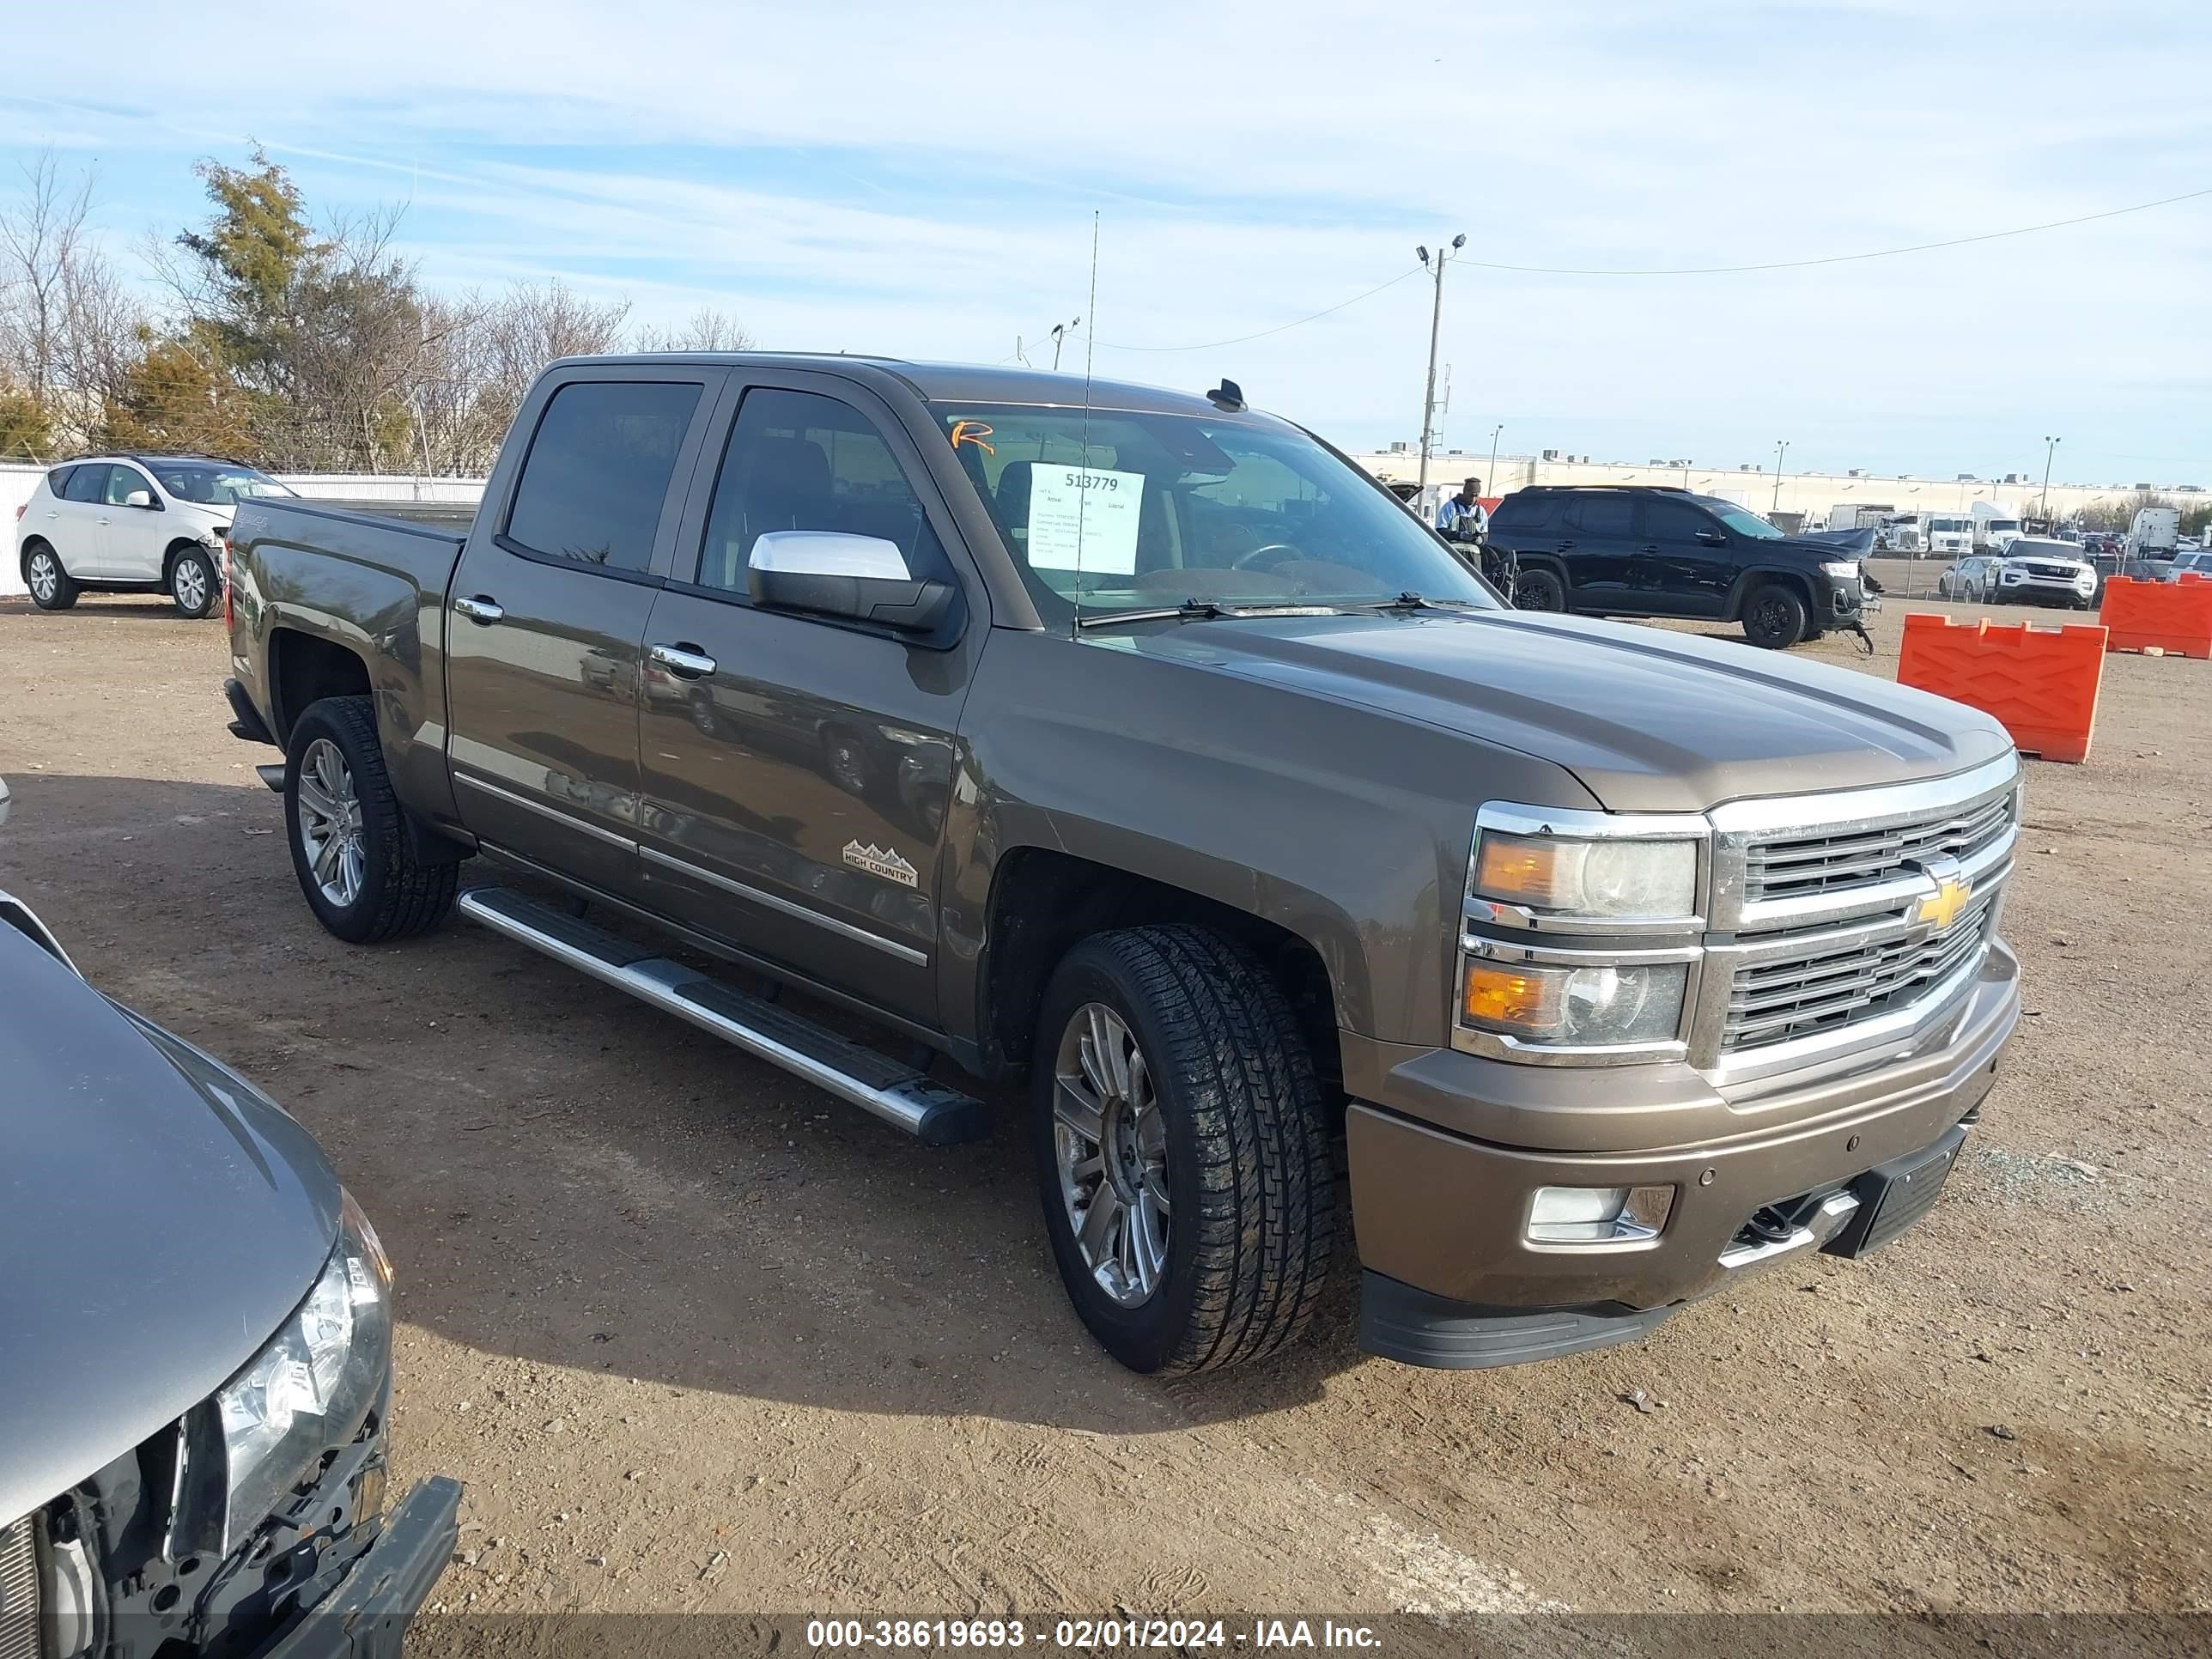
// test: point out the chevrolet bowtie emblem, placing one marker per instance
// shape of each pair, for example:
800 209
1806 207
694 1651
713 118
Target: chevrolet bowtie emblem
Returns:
1941 908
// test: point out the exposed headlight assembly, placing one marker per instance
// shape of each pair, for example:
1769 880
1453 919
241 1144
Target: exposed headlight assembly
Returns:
307 1390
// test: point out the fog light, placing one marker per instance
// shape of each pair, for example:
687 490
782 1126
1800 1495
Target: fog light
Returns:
1598 1215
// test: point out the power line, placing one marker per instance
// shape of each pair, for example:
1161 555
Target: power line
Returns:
1213 346
1842 258
1687 271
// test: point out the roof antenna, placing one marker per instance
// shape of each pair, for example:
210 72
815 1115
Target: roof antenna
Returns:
1228 397
1075 626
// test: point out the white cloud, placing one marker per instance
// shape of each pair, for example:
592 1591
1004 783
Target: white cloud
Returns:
921 179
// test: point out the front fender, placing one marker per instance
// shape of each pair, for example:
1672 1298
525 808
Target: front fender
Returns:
1346 826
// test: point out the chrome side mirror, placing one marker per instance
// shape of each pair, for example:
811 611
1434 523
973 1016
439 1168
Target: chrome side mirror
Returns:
827 572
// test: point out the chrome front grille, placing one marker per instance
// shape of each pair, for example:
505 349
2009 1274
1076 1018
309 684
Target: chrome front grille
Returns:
1823 940
18 1592
1840 984
1837 860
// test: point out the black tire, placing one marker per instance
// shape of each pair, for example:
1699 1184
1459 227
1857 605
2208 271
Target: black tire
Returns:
195 584
1812 631
60 592
1774 618
1246 1142
1538 589
398 895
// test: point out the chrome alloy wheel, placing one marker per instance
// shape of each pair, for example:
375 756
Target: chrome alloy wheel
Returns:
1112 1144
330 822
45 573
188 585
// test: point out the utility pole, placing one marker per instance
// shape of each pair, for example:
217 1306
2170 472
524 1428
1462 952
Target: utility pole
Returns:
1780 446
1436 327
1493 478
2049 448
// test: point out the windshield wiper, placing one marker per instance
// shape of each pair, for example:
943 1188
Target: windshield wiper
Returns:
1196 609
1410 600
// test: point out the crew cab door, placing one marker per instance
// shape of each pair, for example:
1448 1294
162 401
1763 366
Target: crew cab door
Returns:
1686 560
547 609
797 769
1596 541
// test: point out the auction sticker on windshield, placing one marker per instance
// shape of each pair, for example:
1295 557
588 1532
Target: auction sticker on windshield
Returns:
1082 518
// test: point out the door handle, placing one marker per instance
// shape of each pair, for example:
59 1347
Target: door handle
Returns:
103 521
684 659
479 609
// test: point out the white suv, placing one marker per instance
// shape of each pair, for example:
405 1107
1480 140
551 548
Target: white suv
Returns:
133 524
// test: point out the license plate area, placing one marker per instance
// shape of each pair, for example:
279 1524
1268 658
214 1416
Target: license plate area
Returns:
1894 1196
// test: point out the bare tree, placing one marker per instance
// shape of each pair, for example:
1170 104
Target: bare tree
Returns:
67 324
708 330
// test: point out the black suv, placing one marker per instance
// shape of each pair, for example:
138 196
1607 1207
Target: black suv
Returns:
1634 551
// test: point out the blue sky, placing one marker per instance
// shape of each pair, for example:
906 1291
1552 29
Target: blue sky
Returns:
920 180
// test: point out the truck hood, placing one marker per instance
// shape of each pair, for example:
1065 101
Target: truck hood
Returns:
1647 720
160 1219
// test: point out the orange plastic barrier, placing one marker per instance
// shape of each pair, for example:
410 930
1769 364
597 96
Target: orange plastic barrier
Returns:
2041 682
2175 617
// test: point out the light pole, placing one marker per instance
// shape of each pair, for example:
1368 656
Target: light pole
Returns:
1436 325
1781 444
1492 477
1060 330
2042 510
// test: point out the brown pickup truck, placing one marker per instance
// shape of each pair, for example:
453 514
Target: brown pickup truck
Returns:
1138 745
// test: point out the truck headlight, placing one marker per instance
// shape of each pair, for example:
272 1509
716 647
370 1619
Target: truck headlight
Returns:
1842 570
1628 879
307 1390
1591 1005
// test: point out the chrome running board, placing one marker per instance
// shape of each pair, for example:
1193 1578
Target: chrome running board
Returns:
903 1097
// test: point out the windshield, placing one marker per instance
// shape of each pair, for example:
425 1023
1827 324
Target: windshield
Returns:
1165 510
1746 523
213 484
1998 525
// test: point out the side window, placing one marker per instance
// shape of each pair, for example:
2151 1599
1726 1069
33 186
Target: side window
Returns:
1601 515
1673 521
796 461
122 480
89 483
57 482
1521 510
597 471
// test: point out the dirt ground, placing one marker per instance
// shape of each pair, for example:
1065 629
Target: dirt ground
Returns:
697 1337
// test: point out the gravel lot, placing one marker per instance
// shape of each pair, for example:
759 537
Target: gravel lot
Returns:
697 1337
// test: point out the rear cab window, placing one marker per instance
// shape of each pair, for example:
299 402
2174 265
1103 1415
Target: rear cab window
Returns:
596 479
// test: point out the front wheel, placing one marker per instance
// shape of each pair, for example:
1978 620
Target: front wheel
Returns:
193 584
1774 618
1182 1150
49 585
349 838
1539 590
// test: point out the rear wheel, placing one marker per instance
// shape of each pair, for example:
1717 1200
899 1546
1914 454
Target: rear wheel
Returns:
192 583
49 585
1182 1150
1539 590
1774 618
349 838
